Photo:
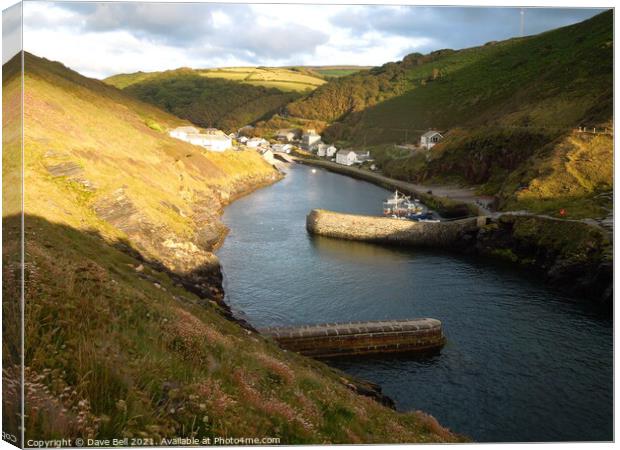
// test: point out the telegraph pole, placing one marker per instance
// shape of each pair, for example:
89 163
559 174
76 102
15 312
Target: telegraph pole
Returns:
522 21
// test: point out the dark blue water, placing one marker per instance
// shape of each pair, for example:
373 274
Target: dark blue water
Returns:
522 362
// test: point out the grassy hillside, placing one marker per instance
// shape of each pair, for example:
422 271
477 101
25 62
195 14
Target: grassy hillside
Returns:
125 335
207 99
507 109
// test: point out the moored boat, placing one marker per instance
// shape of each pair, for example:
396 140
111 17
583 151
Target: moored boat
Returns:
401 206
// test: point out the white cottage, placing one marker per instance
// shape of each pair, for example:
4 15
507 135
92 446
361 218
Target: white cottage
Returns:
321 149
183 132
267 155
212 139
283 148
310 139
350 157
430 138
346 157
256 142
330 151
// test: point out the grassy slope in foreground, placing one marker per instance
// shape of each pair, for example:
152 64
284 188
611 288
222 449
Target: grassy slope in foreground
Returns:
116 348
508 107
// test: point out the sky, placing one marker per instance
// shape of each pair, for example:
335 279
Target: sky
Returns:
99 39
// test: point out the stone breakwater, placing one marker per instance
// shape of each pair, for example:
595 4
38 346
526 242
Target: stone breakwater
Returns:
572 256
390 231
360 338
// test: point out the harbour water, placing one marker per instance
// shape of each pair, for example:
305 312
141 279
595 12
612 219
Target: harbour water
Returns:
522 362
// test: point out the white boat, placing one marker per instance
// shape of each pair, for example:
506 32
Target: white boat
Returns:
401 206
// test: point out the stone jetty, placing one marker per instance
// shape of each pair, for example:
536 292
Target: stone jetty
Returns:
390 231
360 338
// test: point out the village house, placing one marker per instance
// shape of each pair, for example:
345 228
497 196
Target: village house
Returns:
330 151
211 139
429 139
267 155
183 132
256 142
283 148
350 157
321 149
310 139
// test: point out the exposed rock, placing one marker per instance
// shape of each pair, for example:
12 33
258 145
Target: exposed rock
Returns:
65 169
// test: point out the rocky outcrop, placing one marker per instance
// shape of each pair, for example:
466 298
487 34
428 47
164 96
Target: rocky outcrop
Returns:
573 256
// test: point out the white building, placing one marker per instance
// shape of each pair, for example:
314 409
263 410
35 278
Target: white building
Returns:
267 156
321 149
346 157
183 132
256 142
429 139
212 139
309 139
284 148
350 157
330 151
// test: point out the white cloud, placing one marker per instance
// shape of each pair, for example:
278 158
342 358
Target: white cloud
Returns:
11 32
101 39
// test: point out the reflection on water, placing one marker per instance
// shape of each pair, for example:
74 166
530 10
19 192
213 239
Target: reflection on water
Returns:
522 363
358 252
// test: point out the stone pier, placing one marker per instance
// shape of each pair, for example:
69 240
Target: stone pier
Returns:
360 338
391 231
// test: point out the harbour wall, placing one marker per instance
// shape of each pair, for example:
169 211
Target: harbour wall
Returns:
573 256
391 231
360 338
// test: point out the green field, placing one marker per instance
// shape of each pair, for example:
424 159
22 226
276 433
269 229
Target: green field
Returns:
284 79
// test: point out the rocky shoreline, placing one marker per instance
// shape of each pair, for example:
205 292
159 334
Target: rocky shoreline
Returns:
206 281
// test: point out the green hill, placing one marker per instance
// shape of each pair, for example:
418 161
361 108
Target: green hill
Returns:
508 110
125 332
205 100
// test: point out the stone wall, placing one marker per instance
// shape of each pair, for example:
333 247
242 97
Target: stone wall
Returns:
359 338
388 230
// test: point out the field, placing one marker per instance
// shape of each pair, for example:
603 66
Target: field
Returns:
287 80
279 78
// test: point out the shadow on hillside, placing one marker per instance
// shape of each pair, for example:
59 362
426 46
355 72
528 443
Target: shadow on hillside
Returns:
203 281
